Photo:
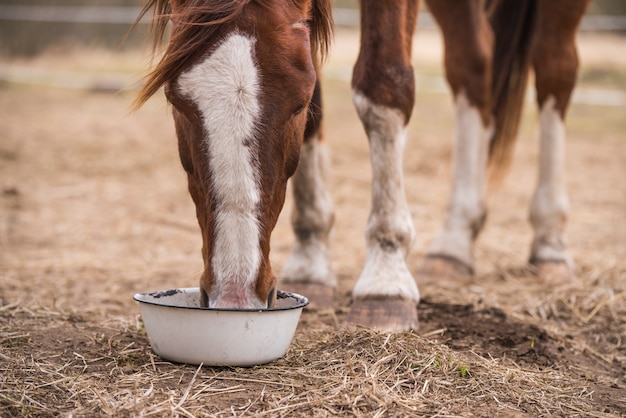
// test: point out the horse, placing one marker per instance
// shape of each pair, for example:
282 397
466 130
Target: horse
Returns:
243 80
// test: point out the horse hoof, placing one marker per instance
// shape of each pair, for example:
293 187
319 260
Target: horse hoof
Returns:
384 314
555 272
320 295
436 268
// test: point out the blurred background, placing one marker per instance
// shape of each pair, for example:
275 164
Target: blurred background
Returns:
86 44
28 27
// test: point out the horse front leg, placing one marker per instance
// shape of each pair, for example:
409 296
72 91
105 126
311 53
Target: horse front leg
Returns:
385 296
468 43
307 269
555 62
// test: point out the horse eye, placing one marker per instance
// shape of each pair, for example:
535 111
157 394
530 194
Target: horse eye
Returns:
298 110
305 22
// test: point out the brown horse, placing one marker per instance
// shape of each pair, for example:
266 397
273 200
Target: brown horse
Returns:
241 76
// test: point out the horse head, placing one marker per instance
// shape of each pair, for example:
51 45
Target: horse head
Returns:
240 76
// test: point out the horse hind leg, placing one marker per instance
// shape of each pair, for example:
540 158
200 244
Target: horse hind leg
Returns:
385 295
555 63
307 269
468 40
451 254
550 203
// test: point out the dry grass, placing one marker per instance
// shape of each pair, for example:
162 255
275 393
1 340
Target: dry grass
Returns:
108 369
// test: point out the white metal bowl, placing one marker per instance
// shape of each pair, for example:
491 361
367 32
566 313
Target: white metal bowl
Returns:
180 330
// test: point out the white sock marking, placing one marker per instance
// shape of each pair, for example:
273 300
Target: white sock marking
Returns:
550 204
313 213
390 231
465 205
225 87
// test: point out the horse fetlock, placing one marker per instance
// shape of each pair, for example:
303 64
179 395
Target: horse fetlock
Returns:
550 248
309 262
466 216
549 208
386 274
455 244
390 240
548 218
313 223
308 272
461 228
478 223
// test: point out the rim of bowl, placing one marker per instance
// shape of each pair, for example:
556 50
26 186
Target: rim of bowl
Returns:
301 301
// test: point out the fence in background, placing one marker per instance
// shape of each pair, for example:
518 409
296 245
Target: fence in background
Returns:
127 15
26 30
70 14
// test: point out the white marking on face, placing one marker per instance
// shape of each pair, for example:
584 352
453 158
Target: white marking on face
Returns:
390 231
550 203
225 88
466 203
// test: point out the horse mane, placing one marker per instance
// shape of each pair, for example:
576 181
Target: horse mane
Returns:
199 22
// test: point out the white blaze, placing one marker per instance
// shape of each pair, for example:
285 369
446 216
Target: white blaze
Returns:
225 88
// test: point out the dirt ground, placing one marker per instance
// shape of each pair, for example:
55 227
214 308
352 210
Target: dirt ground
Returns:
94 208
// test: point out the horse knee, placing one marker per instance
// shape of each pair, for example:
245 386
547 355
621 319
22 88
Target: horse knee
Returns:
468 41
388 84
556 70
554 55
470 72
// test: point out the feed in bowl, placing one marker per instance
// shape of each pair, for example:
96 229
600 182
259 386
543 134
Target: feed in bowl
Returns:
180 330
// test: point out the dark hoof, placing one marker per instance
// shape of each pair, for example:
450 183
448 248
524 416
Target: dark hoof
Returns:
556 272
436 268
384 314
320 295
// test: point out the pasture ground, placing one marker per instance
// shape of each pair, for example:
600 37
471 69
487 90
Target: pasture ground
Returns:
94 208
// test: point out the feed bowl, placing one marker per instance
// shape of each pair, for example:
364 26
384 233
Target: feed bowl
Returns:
180 330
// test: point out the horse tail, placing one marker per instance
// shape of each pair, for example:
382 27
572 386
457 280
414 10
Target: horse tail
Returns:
513 24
